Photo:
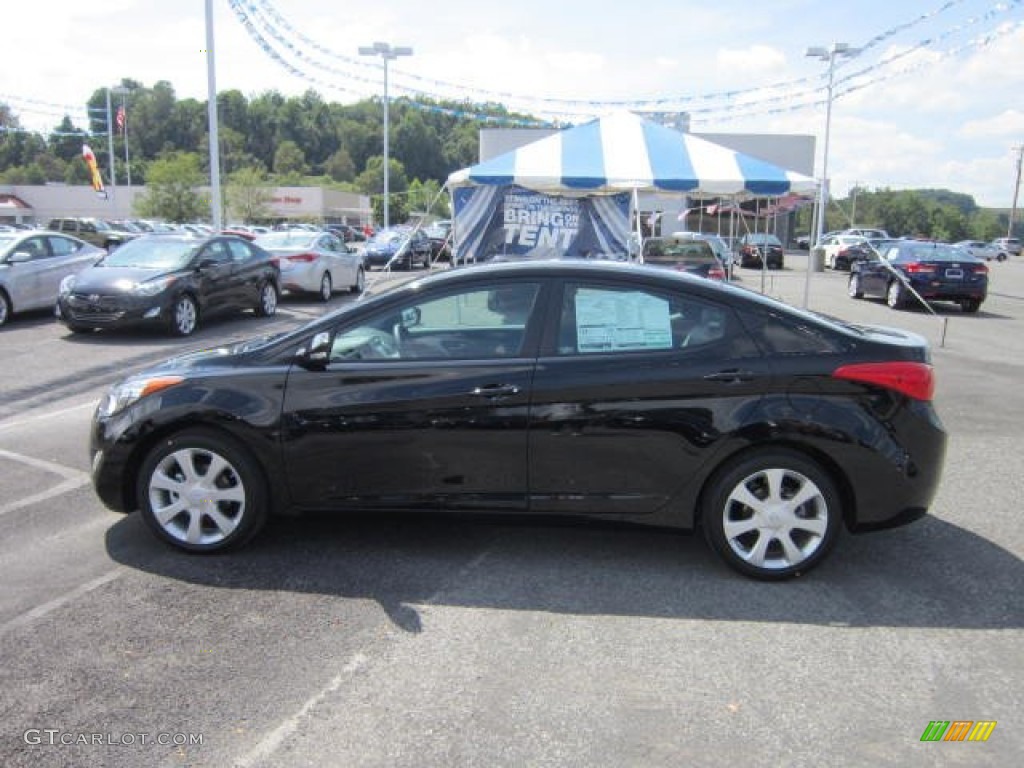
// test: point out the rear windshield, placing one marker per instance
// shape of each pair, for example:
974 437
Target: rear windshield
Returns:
673 252
934 252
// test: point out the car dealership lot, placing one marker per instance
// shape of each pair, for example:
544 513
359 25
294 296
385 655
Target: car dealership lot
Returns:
399 641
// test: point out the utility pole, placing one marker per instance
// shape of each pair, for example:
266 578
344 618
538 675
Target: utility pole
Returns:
1016 188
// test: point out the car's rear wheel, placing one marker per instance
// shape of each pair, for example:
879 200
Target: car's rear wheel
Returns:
771 515
201 492
894 294
853 287
326 287
184 315
360 284
970 305
267 304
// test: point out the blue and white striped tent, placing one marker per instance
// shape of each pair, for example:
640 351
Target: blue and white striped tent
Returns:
625 152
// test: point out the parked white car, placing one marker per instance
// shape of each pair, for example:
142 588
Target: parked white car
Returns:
982 250
315 262
32 265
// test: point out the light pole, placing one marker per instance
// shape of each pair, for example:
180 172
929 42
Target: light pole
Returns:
122 91
387 53
824 54
211 114
110 146
1016 189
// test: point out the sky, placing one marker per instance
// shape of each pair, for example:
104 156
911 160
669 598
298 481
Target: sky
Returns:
933 99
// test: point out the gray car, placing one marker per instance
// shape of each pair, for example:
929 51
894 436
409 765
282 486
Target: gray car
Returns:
32 265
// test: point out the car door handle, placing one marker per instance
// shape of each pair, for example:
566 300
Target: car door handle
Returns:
495 390
733 376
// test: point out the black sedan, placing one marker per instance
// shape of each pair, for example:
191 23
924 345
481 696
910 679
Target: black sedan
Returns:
759 250
683 254
916 270
170 280
610 391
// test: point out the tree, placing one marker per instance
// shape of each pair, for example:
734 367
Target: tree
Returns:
289 159
171 189
340 167
371 182
248 195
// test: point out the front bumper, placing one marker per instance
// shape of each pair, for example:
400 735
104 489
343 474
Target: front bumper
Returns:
95 311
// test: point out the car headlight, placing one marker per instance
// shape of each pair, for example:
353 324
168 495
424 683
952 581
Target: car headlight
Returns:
66 285
126 392
152 287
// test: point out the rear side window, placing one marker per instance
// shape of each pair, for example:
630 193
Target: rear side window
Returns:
603 319
780 335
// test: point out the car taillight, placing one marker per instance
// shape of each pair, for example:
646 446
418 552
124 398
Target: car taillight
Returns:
716 273
917 268
305 258
981 269
916 380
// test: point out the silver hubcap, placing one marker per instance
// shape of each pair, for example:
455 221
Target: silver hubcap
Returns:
775 518
360 281
854 285
197 496
185 316
269 299
325 286
894 294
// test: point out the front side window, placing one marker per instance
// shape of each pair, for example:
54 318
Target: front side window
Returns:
62 246
477 323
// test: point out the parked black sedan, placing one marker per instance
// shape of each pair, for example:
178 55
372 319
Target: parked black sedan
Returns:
603 390
759 250
171 280
912 270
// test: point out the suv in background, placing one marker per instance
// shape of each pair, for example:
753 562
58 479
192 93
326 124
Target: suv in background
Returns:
1008 244
95 231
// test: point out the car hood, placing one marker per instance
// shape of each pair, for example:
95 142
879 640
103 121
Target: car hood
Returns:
102 279
226 354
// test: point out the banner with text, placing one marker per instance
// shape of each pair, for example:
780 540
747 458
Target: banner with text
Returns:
512 223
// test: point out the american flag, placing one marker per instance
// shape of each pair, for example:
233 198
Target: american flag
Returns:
120 118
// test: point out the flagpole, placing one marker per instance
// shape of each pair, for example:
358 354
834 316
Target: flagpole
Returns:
110 144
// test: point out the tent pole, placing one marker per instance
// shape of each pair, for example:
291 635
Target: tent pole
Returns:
639 229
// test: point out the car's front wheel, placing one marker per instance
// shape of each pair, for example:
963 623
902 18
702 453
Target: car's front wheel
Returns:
771 515
184 315
5 308
202 492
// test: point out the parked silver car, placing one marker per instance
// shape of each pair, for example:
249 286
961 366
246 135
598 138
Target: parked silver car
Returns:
32 265
315 262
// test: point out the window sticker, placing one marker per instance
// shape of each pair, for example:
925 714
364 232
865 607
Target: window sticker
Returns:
610 321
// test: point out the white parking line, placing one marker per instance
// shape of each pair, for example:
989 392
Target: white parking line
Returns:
72 479
273 740
51 605
48 415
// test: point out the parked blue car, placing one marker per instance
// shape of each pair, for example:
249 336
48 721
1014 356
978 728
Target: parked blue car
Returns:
401 247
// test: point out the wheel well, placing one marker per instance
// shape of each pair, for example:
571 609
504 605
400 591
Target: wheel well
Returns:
847 497
3 292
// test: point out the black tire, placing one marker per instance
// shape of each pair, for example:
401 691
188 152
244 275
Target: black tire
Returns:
780 540
326 287
187 513
894 295
5 308
970 305
266 302
360 284
853 288
184 316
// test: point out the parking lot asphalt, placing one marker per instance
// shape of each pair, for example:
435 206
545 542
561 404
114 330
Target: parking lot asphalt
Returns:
405 641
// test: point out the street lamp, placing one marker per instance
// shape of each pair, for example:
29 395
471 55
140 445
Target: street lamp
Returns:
387 53
825 54
122 91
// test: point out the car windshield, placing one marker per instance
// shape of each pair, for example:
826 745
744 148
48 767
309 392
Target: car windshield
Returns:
671 252
293 239
152 253
763 240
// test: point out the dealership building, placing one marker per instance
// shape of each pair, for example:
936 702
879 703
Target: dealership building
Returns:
39 204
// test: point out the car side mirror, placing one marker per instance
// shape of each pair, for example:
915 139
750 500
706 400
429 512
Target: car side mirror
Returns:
411 316
318 354
19 257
